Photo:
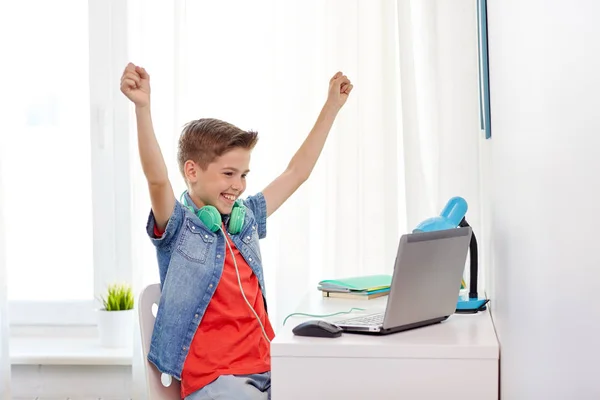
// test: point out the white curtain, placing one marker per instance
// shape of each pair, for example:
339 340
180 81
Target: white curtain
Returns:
440 110
265 65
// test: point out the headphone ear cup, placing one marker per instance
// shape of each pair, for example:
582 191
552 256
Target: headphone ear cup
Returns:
236 220
210 217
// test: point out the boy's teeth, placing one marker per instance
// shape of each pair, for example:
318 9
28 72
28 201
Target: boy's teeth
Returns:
229 197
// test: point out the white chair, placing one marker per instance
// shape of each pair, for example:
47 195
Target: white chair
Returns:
156 389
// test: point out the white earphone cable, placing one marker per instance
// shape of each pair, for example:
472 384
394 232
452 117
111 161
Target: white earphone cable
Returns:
242 289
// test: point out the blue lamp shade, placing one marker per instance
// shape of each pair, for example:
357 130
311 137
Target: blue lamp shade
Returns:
450 217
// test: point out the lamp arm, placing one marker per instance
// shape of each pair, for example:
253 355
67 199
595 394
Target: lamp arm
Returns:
473 262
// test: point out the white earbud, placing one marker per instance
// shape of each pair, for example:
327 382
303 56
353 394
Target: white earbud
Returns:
166 380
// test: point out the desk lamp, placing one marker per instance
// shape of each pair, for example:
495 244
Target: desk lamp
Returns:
453 216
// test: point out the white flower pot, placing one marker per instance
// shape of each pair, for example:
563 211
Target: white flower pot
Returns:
115 328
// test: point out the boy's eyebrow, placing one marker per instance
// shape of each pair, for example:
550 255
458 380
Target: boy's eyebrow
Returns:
235 169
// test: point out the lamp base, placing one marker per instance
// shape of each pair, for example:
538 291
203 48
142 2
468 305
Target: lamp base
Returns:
471 306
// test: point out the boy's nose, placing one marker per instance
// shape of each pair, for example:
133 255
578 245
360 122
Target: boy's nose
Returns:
236 186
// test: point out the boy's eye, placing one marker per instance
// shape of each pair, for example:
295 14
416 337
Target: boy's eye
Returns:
244 176
229 173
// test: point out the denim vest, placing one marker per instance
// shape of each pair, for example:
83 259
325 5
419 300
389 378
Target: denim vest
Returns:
190 263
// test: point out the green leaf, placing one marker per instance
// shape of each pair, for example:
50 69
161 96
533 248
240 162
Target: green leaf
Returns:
119 297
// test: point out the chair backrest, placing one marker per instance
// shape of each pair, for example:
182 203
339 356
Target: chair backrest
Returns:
156 390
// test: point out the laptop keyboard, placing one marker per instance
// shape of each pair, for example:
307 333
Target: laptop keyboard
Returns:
367 320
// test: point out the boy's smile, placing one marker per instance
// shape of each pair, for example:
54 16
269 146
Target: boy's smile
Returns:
228 200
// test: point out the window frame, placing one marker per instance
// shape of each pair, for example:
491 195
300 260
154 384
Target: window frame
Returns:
110 156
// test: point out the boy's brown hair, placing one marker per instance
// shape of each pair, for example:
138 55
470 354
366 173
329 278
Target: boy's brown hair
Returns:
205 139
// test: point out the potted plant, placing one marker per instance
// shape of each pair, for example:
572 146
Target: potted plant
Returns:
115 319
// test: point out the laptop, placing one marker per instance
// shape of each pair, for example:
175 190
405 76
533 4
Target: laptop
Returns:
425 284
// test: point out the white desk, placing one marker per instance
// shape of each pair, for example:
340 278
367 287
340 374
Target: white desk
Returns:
457 359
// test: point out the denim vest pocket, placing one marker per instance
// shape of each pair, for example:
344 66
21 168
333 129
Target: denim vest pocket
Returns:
194 241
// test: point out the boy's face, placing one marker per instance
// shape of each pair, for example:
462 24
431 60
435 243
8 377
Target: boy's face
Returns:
223 181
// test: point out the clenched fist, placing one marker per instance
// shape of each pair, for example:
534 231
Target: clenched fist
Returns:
339 90
135 84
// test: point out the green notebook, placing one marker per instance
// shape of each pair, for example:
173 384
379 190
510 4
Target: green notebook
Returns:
357 283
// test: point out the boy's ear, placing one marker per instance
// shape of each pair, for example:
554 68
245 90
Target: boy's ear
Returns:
191 171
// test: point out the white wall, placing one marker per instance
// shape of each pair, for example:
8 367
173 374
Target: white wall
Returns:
74 382
544 69
4 360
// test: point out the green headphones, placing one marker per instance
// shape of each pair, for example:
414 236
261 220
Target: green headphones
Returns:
211 217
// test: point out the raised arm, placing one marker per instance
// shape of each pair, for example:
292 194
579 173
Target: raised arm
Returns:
303 162
135 84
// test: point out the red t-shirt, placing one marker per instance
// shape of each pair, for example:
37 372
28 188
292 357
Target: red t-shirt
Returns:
229 339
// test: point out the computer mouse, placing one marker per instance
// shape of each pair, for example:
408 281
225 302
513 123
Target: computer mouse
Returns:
317 328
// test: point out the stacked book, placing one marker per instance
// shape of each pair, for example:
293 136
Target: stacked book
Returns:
358 287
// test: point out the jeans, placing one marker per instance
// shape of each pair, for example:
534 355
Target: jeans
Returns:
236 387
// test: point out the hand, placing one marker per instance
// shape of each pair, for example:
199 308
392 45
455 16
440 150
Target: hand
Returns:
339 90
135 84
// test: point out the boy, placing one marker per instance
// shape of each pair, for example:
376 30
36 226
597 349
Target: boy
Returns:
212 331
